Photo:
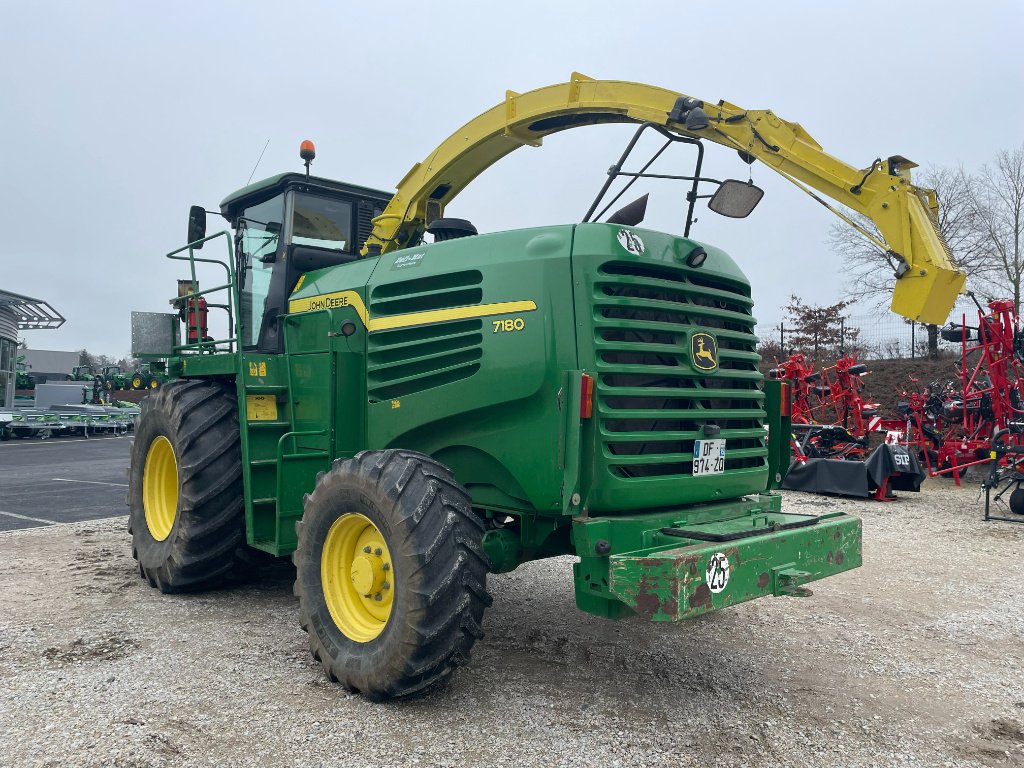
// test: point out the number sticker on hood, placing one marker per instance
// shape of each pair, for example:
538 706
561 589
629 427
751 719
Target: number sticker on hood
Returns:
631 242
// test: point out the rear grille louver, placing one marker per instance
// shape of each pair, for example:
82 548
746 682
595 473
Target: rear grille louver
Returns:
403 361
651 403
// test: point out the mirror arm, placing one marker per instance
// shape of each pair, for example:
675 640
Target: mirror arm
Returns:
674 177
616 170
631 181
691 201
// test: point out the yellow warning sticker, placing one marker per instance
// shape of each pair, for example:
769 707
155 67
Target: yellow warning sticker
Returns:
261 407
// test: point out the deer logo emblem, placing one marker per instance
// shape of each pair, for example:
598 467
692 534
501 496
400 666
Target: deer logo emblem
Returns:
704 351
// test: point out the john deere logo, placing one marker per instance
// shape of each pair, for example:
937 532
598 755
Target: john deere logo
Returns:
704 351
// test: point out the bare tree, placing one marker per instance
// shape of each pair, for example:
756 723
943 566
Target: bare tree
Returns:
817 331
870 270
996 199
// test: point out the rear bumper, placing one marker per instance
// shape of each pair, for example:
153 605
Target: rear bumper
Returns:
723 565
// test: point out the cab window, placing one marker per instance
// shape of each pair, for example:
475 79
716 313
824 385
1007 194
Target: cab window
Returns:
322 222
258 236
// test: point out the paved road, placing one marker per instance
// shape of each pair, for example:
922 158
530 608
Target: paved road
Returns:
62 480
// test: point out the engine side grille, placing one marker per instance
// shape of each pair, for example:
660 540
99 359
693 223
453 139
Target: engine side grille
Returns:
407 360
404 361
651 402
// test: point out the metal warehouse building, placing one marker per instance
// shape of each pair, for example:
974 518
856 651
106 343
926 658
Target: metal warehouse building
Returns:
19 313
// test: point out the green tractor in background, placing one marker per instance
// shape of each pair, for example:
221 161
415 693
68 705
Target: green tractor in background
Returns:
112 378
148 376
82 373
404 417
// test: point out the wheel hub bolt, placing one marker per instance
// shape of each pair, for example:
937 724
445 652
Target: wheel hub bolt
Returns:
378 597
378 551
386 567
386 585
367 549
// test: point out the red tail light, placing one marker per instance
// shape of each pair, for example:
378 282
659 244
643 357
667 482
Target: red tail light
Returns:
586 396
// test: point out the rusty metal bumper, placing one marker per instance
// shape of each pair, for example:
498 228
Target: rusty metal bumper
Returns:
719 564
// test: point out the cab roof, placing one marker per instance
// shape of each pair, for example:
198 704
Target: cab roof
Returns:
256 191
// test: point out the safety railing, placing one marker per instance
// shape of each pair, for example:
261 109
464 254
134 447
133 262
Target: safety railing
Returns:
188 303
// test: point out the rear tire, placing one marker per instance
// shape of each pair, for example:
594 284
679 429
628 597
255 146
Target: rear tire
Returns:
187 513
408 509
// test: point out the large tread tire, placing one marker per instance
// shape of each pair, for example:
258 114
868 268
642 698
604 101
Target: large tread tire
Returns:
206 543
440 572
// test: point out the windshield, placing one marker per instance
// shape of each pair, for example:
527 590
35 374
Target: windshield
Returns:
259 229
322 222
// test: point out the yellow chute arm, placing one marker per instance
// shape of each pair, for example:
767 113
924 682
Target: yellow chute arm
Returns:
927 281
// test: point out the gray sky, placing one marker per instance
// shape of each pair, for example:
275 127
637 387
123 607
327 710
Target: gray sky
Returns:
116 116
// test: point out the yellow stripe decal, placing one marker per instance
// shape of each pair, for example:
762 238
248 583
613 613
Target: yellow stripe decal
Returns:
352 299
445 315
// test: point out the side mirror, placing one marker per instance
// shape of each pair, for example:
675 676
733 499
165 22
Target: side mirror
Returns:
735 199
196 224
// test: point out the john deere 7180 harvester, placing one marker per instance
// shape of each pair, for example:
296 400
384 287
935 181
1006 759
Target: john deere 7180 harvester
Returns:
405 417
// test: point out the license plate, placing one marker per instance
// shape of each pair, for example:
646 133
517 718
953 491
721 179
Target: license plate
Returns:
708 457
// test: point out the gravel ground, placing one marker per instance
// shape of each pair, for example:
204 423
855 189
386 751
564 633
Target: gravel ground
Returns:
914 659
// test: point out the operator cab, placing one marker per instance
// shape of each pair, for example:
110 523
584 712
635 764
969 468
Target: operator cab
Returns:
285 226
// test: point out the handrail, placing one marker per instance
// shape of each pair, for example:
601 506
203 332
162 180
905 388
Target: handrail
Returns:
234 320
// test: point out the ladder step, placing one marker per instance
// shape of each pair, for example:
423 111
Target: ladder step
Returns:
268 424
263 462
265 501
307 455
259 389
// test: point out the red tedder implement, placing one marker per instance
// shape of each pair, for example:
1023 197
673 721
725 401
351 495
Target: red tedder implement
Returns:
953 423
828 413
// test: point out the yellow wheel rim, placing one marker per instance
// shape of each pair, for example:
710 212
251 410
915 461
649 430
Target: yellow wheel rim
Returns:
137 383
357 576
160 488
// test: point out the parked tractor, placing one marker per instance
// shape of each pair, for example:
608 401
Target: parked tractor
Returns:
82 373
148 376
404 417
112 378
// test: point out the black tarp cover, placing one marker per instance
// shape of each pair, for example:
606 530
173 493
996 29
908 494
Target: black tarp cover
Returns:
858 478
897 463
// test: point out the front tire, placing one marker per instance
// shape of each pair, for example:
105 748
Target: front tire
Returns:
391 574
187 513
